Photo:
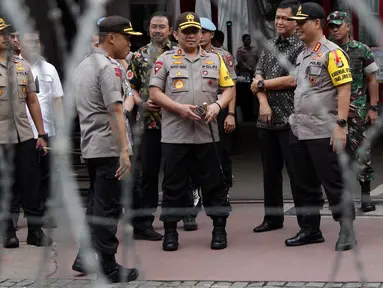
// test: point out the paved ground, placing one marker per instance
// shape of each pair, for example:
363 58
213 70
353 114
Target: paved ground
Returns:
249 257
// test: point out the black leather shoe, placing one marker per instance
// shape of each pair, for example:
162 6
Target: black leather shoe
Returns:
305 237
190 224
219 239
367 206
267 226
148 234
117 274
10 241
37 238
346 240
170 241
79 265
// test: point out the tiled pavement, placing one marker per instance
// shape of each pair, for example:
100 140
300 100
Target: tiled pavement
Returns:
69 283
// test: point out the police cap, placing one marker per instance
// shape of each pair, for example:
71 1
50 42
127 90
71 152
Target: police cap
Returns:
117 24
3 25
188 19
309 11
207 24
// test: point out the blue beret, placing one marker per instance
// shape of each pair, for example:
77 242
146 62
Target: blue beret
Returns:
99 21
207 24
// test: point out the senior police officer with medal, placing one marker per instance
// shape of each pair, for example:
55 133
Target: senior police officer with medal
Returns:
104 145
16 132
323 83
226 117
323 73
181 81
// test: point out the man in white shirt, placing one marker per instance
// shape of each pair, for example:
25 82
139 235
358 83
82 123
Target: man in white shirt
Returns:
50 94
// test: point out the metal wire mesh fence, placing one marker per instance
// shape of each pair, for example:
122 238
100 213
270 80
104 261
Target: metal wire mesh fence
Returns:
65 201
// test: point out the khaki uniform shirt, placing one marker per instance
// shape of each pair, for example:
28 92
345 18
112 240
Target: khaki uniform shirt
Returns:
97 85
318 73
15 128
189 81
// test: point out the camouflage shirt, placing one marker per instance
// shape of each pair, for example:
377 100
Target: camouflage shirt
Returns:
362 63
139 71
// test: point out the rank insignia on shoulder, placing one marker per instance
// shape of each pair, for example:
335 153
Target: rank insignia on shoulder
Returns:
129 75
317 47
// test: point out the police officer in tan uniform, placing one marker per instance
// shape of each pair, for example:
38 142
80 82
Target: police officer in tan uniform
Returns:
104 144
16 134
181 80
226 117
323 83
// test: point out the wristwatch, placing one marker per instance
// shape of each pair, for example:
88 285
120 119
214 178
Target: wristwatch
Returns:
261 85
374 108
342 123
43 136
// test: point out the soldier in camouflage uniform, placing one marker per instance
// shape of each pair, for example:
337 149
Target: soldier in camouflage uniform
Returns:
361 115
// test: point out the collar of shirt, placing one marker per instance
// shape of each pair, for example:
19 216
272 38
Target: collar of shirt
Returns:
201 53
101 51
350 44
289 40
167 46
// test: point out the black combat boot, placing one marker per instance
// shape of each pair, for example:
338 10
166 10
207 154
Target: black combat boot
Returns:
171 237
219 239
366 202
36 235
190 224
9 237
346 239
309 233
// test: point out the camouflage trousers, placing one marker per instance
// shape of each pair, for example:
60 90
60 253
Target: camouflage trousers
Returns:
356 136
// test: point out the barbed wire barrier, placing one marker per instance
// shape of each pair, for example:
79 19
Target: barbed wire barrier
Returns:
65 198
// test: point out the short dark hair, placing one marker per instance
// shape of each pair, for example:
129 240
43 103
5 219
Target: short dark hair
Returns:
219 36
244 36
162 14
